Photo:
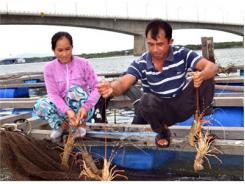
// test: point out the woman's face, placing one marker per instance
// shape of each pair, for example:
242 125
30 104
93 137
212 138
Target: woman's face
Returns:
63 50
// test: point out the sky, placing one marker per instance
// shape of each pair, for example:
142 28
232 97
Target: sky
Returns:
33 40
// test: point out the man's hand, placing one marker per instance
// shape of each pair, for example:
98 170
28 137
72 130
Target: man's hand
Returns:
197 79
71 117
105 88
82 114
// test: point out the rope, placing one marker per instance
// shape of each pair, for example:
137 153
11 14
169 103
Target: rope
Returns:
105 129
14 126
197 101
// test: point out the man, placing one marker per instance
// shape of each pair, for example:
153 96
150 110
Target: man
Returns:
169 97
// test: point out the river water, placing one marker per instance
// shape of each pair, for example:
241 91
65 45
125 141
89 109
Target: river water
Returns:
223 57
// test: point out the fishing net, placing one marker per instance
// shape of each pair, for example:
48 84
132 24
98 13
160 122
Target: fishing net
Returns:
31 159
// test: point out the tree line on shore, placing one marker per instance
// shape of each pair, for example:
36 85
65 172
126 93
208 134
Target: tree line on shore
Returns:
219 45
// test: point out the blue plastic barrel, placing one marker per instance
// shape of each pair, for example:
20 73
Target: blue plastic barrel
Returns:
241 72
32 81
222 116
134 158
14 92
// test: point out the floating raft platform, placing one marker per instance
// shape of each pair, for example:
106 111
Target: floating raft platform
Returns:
230 140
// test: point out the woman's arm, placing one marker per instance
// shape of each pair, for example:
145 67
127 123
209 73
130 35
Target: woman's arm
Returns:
52 90
91 80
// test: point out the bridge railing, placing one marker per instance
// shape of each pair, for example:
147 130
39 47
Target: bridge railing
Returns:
124 10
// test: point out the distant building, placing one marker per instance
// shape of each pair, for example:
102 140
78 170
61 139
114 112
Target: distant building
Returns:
13 61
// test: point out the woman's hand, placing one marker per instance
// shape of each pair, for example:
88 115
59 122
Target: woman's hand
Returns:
82 114
71 117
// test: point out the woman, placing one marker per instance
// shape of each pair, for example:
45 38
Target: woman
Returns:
71 86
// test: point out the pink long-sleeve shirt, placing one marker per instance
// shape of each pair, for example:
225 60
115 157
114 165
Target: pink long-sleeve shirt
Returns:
60 77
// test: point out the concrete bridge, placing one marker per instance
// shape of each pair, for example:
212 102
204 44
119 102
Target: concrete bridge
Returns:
131 26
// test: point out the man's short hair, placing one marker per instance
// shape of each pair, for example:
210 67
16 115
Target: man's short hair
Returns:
155 25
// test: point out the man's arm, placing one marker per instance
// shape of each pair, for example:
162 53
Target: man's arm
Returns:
122 84
117 87
207 70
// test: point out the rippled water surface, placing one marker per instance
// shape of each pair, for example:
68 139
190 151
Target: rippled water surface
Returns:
119 64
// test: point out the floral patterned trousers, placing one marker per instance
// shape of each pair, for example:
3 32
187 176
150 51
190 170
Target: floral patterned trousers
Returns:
47 110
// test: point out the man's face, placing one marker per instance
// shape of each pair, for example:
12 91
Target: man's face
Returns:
158 48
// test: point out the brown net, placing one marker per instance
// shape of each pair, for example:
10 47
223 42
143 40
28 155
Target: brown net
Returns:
31 159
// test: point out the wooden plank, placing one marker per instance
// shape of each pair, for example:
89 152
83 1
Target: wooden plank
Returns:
228 101
118 103
17 104
232 79
236 133
233 147
219 101
238 94
22 79
122 127
11 118
230 88
18 75
29 85
20 99
226 133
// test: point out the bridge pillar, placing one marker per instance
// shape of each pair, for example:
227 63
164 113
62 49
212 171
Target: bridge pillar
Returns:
139 45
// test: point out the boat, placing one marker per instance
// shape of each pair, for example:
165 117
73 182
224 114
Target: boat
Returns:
135 144
8 61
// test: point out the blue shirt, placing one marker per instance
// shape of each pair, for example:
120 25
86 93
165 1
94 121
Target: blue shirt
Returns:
171 81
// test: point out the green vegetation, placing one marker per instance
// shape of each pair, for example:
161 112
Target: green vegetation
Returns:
220 45
108 54
39 59
91 55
